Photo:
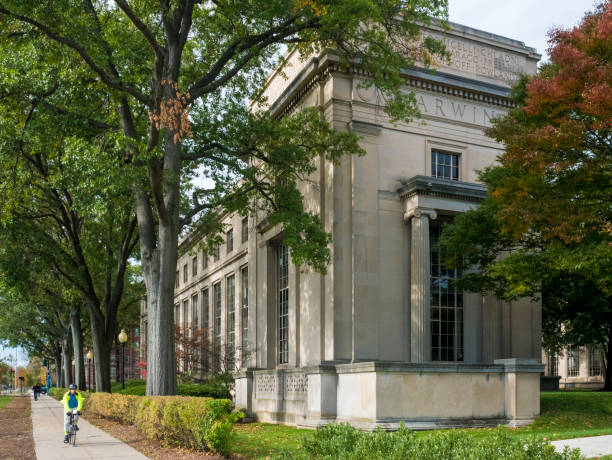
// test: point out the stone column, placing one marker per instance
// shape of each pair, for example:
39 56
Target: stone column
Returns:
420 309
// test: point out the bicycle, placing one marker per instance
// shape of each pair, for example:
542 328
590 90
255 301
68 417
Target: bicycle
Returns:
72 428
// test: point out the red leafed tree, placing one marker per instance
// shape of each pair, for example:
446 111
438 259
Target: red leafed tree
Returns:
551 195
558 145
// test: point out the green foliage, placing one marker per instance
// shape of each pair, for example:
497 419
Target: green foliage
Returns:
213 388
194 423
564 415
345 442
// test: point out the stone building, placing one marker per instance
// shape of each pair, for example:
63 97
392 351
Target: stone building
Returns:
383 337
576 367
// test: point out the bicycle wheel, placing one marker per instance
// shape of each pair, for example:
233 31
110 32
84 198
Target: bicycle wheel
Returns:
73 436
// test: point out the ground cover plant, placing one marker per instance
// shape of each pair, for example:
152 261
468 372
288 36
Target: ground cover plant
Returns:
5 400
565 414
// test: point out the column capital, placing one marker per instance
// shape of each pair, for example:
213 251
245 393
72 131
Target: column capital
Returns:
419 212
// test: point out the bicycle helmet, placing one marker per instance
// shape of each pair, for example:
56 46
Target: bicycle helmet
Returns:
72 386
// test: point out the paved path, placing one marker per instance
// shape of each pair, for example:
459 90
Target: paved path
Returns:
91 442
596 446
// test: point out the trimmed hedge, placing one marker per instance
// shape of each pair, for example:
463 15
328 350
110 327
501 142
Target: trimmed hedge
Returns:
344 442
210 389
195 423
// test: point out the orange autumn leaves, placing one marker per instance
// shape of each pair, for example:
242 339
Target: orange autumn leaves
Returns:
173 113
558 160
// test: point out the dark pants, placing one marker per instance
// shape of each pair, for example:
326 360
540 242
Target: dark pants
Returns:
36 395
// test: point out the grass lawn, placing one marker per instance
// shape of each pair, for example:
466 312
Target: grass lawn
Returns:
5 400
565 414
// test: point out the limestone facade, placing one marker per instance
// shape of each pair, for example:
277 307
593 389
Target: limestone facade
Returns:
382 337
576 367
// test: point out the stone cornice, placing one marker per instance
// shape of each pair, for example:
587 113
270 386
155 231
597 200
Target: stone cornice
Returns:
440 188
322 68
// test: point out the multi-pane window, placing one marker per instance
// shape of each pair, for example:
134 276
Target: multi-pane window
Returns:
444 165
194 266
185 274
552 364
229 240
216 253
217 324
176 280
204 260
231 318
206 323
573 361
595 367
282 282
196 313
185 313
245 229
446 306
244 274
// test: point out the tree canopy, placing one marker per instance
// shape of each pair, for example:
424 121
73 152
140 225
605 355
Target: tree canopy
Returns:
168 81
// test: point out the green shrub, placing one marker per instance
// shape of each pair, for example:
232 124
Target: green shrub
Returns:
196 423
347 443
217 387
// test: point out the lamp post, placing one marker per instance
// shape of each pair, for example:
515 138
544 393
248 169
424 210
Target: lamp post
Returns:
89 356
122 339
73 371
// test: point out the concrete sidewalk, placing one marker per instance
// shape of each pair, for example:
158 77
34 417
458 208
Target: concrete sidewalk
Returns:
595 446
91 442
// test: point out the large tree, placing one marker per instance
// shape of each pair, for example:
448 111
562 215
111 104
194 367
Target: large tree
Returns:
180 73
549 207
61 202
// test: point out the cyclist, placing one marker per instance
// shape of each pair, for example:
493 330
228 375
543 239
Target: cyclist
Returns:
73 399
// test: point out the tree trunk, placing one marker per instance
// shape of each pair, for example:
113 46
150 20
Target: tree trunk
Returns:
58 368
77 346
102 349
66 358
117 364
608 364
159 271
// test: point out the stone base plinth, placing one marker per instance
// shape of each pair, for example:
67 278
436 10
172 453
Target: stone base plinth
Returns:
382 394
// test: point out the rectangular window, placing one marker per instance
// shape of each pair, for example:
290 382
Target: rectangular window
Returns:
573 361
446 306
282 282
216 253
177 314
186 313
204 260
244 274
444 165
195 313
194 266
231 319
176 281
185 274
206 325
595 368
229 240
217 325
245 229
552 364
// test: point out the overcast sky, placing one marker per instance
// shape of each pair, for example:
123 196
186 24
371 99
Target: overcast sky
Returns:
524 20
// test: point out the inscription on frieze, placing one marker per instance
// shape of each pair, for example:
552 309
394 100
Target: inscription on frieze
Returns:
483 60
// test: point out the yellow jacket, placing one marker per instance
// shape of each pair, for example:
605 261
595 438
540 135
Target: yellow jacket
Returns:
79 398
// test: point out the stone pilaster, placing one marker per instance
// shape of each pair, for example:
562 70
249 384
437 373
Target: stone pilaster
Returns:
420 310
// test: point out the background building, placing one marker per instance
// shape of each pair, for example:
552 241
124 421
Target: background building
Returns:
578 367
